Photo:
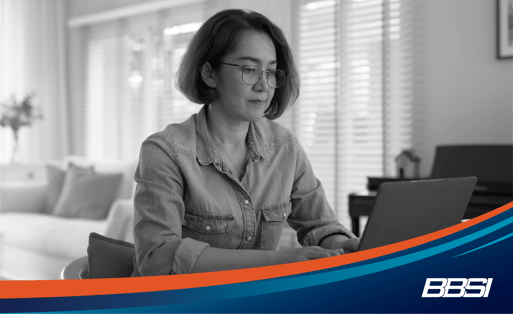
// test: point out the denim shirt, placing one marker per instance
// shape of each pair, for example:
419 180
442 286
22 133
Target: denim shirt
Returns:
187 198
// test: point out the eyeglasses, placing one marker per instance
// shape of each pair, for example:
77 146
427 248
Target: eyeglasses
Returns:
251 74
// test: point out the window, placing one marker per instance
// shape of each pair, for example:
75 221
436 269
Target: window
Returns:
353 116
123 80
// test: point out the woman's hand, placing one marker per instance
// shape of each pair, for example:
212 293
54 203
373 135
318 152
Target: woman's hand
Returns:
305 254
350 245
338 241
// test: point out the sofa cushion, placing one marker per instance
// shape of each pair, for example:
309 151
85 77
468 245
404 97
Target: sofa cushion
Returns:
127 167
87 194
109 258
55 178
49 234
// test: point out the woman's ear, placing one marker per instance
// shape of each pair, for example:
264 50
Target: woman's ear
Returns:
207 75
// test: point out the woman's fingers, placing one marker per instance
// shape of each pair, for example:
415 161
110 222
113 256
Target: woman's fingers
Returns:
316 252
351 245
336 252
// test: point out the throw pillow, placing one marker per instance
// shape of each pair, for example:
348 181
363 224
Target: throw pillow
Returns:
55 180
109 258
87 194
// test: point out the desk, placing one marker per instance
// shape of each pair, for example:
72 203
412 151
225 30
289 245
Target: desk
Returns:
360 204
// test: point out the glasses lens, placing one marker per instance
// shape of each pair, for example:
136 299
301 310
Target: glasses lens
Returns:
251 74
276 78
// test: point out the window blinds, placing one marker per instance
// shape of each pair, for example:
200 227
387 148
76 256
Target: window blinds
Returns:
315 112
353 116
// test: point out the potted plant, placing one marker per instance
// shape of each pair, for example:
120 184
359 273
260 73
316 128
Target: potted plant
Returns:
16 114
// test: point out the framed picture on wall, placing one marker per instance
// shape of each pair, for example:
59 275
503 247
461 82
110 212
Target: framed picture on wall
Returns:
504 29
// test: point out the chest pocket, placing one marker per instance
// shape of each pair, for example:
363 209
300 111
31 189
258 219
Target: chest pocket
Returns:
212 229
272 224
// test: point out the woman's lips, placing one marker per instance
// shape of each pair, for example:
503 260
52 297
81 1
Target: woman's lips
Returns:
258 101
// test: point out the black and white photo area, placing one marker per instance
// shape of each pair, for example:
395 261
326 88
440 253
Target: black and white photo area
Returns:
353 115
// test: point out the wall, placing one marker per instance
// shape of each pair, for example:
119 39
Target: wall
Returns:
463 93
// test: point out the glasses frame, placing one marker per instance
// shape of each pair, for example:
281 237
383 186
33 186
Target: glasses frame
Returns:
241 67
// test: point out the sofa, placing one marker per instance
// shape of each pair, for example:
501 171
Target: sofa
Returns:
36 243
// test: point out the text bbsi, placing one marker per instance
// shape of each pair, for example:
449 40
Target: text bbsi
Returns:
457 287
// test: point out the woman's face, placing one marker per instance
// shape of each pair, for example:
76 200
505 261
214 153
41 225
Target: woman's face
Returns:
237 100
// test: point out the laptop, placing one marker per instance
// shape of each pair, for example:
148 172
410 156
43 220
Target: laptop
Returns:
409 209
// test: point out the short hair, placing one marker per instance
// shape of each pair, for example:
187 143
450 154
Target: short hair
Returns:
219 36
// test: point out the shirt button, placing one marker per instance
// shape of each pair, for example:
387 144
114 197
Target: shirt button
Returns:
207 228
246 202
249 238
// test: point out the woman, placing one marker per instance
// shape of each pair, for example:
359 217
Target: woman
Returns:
214 192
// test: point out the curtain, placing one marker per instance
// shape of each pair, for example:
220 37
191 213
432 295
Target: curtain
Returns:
33 60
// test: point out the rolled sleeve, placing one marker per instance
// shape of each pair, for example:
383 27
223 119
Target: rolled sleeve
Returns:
186 255
312 216
315 236
159 212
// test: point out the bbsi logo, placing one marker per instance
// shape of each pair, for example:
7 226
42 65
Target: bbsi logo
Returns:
457 287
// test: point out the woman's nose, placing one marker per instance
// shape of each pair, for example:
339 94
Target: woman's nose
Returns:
262 85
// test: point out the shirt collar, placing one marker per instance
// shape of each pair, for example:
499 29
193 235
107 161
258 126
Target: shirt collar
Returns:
205 148
257 148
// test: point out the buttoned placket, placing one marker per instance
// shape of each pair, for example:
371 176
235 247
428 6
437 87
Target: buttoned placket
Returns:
248 217
248 211
249 214
244 199
246 205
